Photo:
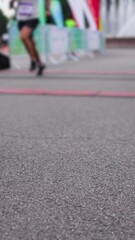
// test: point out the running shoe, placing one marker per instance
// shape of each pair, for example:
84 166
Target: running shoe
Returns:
33 66
41 69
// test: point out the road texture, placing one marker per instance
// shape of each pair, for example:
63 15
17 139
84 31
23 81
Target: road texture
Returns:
68 162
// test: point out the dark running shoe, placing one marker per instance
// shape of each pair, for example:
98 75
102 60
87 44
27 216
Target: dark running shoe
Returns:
41 69
33 66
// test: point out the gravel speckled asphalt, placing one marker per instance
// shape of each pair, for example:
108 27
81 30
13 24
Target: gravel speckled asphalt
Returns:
68 163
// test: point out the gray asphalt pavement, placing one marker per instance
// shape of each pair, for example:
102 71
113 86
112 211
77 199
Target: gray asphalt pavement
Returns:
68 163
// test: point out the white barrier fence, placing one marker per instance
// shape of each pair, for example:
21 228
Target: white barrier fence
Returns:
57 44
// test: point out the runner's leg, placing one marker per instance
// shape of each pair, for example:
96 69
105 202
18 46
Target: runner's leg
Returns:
37 57
26 37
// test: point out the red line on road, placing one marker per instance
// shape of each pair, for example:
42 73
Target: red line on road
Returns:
47 92
67 93
85 72
72 72
117 94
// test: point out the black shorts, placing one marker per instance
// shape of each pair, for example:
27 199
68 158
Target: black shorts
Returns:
32 23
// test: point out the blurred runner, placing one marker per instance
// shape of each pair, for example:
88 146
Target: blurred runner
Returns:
28 19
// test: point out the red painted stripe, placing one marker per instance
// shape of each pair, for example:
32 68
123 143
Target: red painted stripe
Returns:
47 92
72 72
82 72
117 94
67 93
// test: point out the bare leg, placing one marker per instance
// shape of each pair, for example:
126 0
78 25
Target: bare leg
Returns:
37 57
26 37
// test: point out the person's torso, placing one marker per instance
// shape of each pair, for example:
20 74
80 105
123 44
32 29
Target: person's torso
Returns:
27 9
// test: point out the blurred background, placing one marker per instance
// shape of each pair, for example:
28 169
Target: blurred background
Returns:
117 17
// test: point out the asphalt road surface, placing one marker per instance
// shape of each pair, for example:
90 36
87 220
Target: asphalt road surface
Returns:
67 158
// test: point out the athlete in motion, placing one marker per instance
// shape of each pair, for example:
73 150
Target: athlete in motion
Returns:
28 19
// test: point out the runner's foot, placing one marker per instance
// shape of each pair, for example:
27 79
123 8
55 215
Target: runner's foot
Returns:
41 69
33 66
